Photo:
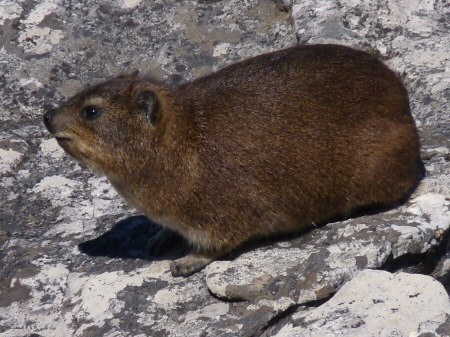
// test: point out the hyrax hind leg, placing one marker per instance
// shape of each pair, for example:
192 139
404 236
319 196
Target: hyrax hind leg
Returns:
392 168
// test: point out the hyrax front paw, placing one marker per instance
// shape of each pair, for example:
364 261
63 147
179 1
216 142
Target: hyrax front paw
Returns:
189 265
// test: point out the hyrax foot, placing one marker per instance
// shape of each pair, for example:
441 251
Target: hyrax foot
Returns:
161 242
189 265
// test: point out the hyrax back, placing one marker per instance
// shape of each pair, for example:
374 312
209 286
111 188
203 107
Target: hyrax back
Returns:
272 144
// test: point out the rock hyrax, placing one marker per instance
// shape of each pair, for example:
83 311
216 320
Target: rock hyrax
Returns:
270 145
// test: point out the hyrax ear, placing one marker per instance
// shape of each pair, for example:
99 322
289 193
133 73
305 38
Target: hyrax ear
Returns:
148 106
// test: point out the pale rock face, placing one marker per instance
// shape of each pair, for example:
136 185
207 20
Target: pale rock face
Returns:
9 10
8 159
51 148
376 303
39 40
128 4
317 284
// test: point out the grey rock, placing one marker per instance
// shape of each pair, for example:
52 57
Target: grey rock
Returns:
72 257
377 303
409 35
321 261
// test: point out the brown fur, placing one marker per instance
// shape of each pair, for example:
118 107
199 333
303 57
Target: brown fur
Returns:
269 145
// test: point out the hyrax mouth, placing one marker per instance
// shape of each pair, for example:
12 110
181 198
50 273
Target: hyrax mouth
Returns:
68 143
62 137
63 141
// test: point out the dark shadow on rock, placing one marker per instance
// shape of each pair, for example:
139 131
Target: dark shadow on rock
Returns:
427 263
128 238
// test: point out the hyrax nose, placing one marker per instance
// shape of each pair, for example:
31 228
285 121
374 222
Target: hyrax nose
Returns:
48 117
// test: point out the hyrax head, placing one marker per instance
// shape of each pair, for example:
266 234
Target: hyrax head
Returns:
103 126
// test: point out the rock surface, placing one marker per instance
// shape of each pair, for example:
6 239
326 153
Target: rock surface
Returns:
377 303
318 263
108 286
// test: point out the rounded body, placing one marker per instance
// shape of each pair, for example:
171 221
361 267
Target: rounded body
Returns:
273 144
298 137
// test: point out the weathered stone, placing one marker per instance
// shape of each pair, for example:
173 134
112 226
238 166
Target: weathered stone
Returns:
109 286
377 303
321 261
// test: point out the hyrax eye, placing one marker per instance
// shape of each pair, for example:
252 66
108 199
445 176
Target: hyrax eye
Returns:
91 112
